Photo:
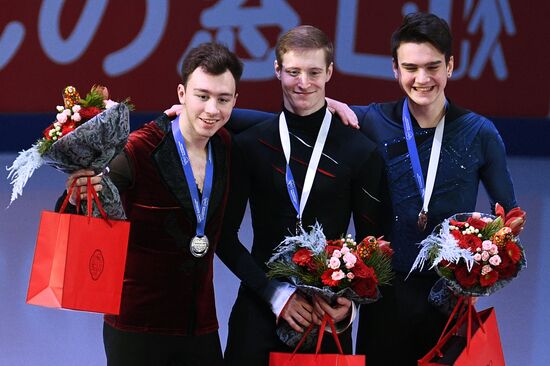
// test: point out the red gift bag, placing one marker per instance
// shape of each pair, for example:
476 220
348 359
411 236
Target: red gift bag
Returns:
316 359
473 340
79 260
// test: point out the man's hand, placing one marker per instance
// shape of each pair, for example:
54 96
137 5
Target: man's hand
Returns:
338 312
347 116
297 312
174 110
81 177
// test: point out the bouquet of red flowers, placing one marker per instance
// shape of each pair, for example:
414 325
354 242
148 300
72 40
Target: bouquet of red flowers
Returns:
87 133
333 268
330 269
476 253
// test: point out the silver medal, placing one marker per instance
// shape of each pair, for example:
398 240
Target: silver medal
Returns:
199 246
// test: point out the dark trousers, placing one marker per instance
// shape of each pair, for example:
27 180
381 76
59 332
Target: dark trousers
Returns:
252 333
402 326
146 349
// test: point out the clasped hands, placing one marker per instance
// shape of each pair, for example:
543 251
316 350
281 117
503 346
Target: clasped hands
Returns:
299 313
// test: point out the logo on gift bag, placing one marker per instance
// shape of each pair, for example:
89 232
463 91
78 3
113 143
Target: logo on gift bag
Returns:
97 263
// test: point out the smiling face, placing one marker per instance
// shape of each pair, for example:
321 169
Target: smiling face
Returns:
422 74
303 76
207 103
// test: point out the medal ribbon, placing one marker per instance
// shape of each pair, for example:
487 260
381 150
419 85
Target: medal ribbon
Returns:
200 207
425 190
299 205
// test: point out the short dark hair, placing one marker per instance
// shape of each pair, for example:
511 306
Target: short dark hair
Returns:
304 37
214 58
420 28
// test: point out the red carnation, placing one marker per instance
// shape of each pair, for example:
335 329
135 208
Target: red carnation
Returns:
365 287
488 279
470 241
326 278
89 112
457 234
513 251
467 278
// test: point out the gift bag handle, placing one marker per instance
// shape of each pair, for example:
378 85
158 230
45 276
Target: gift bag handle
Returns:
463 309
68 197
326 319
91 195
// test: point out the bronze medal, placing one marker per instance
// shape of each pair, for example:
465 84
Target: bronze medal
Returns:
422 220
199 246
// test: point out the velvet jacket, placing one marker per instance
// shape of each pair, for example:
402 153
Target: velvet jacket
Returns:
166 289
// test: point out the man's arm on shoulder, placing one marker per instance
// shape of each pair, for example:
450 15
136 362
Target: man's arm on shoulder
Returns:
242 119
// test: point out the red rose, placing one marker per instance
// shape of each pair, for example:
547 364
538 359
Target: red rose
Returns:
337 243
506 269
89 112
488 279
476 223
67 127
331 248
513 251
365 287
470 241
361 270
326 278
302 257
467 278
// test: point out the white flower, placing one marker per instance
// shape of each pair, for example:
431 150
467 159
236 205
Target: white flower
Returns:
61 117
495 260
344 250
109 103
76 108
338 275
76 117
60 108
476 215
67 112
334 263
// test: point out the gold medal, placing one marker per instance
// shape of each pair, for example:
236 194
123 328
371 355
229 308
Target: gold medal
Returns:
199 246
422 220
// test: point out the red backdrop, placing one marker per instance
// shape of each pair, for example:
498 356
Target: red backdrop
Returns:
504 71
